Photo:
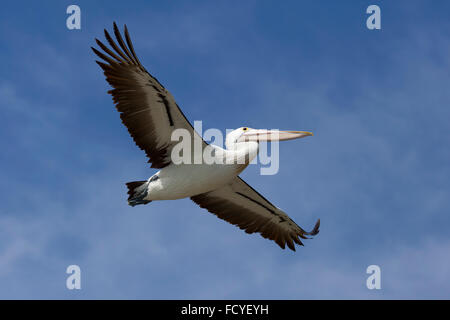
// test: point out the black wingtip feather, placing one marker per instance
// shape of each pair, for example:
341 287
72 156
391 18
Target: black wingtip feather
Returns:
102 65
122 44
114 45
130 45
290 245
316 230
108 51
103 56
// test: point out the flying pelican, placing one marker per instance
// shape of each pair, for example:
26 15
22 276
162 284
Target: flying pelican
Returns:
151 115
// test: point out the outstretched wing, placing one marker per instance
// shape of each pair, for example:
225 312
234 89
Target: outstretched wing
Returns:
146 108
241 205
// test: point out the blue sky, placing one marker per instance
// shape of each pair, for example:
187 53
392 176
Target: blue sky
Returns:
376 172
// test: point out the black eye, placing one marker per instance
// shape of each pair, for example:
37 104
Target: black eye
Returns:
245 129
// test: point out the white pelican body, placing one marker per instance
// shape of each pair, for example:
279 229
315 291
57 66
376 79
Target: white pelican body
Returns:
187 180
151 116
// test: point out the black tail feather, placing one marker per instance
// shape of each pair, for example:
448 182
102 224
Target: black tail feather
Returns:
137 191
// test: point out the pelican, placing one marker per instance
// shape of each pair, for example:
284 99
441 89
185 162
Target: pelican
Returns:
151 115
